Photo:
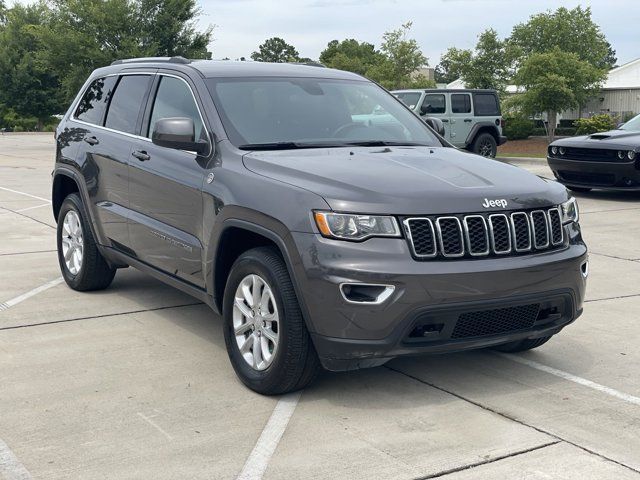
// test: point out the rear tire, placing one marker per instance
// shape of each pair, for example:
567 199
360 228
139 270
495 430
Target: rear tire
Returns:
579 189
266 337
485 145
83 266
522 345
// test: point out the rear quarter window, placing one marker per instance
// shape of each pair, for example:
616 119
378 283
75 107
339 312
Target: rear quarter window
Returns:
95 100
486 104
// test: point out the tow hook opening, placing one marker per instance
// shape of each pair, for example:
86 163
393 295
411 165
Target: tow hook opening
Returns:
584 269
366 293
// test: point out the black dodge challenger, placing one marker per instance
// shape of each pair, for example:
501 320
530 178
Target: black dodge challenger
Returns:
609 160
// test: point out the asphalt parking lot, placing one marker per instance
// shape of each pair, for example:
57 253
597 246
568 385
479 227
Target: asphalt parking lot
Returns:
134 381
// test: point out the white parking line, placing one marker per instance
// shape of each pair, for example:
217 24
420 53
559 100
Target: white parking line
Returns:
25 194
573 378
10 466
33 208
259 458
21 298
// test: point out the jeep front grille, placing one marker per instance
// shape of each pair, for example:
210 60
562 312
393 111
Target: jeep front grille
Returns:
483 235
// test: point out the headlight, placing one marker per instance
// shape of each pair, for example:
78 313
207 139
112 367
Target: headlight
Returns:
621 155
561 150
554 150
631 155
347 226
569 211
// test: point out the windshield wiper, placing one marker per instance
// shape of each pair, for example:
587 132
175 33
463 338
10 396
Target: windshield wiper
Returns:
385 143
287 145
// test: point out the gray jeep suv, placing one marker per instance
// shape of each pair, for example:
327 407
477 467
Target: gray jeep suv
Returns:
472 118
324 237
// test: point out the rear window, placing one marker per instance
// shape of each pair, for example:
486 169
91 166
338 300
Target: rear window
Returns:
125 105
486 104
460 103
95 100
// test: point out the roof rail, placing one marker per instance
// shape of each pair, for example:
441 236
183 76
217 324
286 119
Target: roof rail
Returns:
152 60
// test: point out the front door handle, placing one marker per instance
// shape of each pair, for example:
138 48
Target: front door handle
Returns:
91 140
141 155
444 120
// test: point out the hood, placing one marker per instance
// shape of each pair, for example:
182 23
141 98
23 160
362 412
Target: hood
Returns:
623 139
407 180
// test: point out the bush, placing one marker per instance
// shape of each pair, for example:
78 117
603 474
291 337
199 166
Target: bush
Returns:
595 124
517 127
566 131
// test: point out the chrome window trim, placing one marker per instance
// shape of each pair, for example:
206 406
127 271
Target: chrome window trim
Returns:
533 225
515 233
439 230
557 210
407 230
468 238
492 235
131 135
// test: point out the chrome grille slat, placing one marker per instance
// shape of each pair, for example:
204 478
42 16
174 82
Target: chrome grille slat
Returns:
483 235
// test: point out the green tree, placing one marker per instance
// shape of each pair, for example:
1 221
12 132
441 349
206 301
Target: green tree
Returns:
452 65
488 66
168 28
350 55
556 81
29 88
572 31
276 50
402 58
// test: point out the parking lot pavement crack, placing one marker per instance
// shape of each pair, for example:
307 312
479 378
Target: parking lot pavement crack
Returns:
612 298
485 462
612 256
609 210
77 319
26 253
27 216
511 418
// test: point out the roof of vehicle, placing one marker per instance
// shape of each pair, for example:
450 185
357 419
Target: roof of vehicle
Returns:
445 90
228 68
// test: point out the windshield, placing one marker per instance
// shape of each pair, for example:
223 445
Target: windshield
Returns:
277 112
410 99
633 124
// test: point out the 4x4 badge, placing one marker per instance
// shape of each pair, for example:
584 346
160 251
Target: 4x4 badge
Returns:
501 202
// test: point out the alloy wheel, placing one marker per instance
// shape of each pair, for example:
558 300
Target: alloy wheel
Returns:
256 322
72 242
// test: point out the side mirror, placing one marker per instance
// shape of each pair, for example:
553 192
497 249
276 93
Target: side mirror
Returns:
424 109
178 133
619 125
436 124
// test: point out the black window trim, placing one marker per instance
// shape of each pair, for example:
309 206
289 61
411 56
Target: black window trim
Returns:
151 99
93 125
497 99
447 102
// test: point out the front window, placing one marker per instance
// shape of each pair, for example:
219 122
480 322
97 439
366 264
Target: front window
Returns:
633 124
308 112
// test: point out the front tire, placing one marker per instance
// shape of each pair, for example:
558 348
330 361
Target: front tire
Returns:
266 338
522 345
83 266
485 145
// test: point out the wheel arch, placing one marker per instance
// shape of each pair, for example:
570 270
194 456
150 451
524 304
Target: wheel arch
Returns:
241 230
64 183
482 127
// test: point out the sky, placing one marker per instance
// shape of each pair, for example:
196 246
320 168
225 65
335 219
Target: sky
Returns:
242 25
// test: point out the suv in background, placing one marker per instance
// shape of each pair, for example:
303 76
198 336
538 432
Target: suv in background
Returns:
472 118
323 234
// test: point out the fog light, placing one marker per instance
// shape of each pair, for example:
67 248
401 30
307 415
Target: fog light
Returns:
584 269
366 293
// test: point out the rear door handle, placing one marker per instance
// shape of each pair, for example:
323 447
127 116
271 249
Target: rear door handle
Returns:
468 120
91 140
141 155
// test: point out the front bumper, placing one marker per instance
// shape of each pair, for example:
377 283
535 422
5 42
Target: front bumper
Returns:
349 336
623 175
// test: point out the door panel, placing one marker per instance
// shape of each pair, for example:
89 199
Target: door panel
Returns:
461 117
165 189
